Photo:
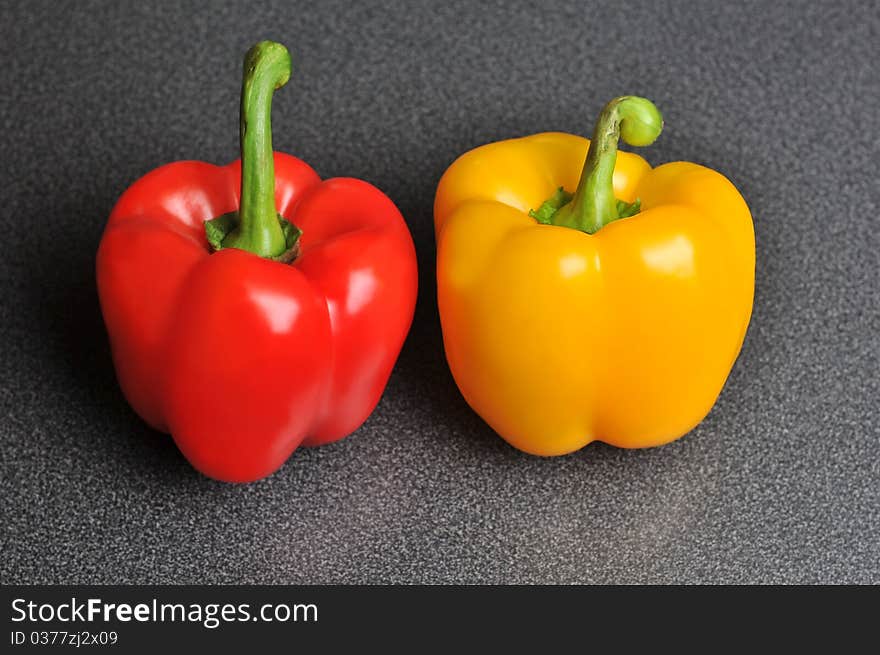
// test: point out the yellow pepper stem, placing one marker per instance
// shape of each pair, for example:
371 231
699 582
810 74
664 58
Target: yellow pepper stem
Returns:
639 122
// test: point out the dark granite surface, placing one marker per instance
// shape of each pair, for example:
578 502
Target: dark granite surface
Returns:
781 483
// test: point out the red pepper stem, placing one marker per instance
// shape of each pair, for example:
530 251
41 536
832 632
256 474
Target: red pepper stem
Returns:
593 206
266 68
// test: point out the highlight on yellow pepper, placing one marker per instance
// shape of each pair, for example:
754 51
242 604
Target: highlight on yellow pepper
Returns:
609 305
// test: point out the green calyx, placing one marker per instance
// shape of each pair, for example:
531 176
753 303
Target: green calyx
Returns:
544 214
218 229
257 227
593 205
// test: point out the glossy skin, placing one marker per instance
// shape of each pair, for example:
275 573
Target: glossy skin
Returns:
557 337
242 358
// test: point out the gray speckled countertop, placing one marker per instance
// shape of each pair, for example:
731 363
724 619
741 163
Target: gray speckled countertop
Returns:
781 483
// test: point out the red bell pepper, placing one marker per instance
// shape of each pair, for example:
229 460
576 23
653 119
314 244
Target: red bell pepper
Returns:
247 323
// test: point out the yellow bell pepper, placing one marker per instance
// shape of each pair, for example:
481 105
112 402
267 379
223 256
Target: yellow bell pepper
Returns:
614 313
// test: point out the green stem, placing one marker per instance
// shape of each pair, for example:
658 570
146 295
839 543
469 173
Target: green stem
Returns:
593 206
257 227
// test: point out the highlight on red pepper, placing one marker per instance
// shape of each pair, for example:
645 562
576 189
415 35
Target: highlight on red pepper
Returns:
586 296
254 307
